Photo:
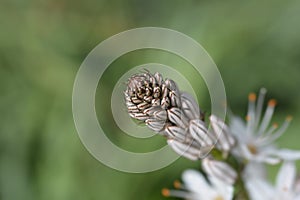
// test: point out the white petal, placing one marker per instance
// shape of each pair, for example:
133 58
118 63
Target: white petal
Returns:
297 185
286 177
255 170
287 154
223 189
297 197
260 189
266 158
268 155
195 182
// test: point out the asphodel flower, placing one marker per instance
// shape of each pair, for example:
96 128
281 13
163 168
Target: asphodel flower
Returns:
285 188
174 114
196 187
256 137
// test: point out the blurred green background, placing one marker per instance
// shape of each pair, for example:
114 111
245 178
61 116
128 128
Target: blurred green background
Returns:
42 44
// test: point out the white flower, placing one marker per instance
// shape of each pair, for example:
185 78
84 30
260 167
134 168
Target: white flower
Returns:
196 187
255 137
286 187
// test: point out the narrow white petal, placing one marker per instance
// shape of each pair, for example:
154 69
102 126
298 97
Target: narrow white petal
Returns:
267 158
297 197
260 189
287 154
223 189
195 182
255 170
286 177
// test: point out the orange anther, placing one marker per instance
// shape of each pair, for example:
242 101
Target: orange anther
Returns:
272 102
247 118
165 192
289 118
177 184
252 97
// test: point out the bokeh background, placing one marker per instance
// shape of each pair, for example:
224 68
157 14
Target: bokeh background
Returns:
42 44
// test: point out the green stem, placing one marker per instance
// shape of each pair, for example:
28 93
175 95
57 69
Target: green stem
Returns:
240 191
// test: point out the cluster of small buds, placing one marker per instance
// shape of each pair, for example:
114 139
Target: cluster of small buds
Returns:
245 147
175 115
